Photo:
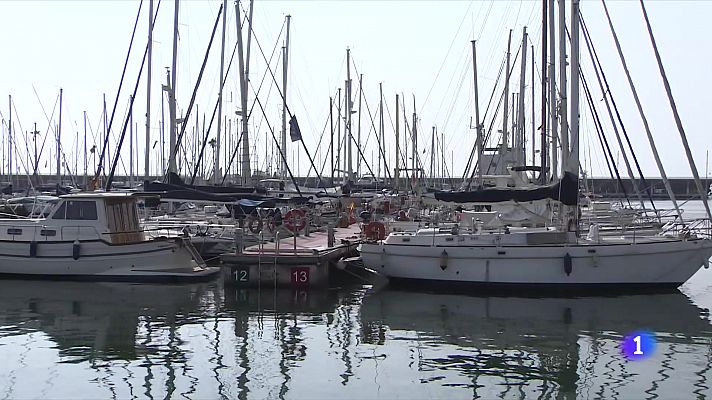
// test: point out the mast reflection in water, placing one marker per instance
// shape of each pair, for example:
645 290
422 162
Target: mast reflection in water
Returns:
119 340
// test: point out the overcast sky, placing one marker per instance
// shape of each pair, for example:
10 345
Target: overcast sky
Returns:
419 49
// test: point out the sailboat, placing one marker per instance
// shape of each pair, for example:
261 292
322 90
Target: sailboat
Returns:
541 257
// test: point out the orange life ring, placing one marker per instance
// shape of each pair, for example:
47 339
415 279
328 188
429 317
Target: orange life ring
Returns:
374 231
255 225
295 220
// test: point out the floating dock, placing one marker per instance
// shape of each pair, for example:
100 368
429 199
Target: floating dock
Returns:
295 261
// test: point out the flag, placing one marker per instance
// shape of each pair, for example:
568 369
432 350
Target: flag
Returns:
294 131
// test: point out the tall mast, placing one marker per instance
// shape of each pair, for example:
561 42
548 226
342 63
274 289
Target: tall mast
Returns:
519 148
478 126
432 157
131 143
573 161
217 175
358 143
380 130
86 160
562 86
506 98
331 123
414 163
172 97
246 174
533 111
349 104
59 141
9 140
148 93
552 94
397 169
544 66
338 132
285 59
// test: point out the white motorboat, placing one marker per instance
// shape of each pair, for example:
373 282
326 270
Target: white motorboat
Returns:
95 236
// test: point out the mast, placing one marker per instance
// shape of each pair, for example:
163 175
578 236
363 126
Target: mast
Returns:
86 161
678 122
380 130
573 160
544 78
217 175
338 132
432 156
246 174
131 143
552 94
414 172
478 126
285 59
506 99
533 111
397 168
562 85
172 97
331 124
358 143
519 147
9 137
148 95
59 141
349 104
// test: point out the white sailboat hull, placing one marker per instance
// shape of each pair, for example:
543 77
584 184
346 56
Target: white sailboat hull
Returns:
99 260
657 263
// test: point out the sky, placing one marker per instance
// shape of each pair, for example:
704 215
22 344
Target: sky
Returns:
420 50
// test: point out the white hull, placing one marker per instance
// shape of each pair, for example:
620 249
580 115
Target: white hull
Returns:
663 262
99 260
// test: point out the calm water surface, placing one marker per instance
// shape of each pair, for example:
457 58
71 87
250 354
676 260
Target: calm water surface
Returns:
116 340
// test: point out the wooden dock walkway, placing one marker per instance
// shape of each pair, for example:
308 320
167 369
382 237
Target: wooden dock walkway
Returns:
294 261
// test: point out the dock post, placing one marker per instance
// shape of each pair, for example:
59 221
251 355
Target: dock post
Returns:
238 240
276 242
295 242
330 235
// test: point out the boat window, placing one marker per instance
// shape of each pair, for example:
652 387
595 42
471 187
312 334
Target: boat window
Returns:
48 232
14 231
76 210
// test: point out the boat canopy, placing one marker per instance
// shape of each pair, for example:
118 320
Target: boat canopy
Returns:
565 191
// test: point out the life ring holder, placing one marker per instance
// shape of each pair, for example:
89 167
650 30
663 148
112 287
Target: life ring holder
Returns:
295 220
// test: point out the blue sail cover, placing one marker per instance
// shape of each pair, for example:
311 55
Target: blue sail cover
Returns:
565 191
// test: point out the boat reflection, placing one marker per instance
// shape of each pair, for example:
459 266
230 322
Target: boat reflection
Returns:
549 347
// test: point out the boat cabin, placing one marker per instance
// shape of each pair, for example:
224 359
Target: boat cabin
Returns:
109 216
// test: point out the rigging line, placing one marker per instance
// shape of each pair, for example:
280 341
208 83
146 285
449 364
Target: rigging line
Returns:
452 42
360 150
269 63
602 137
612 119
44 140
281 153
281 94
463 62
117 155
186 117
608 93
121 83
373 126
13 145
676 114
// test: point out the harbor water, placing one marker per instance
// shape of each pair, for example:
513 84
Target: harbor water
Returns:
61 340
